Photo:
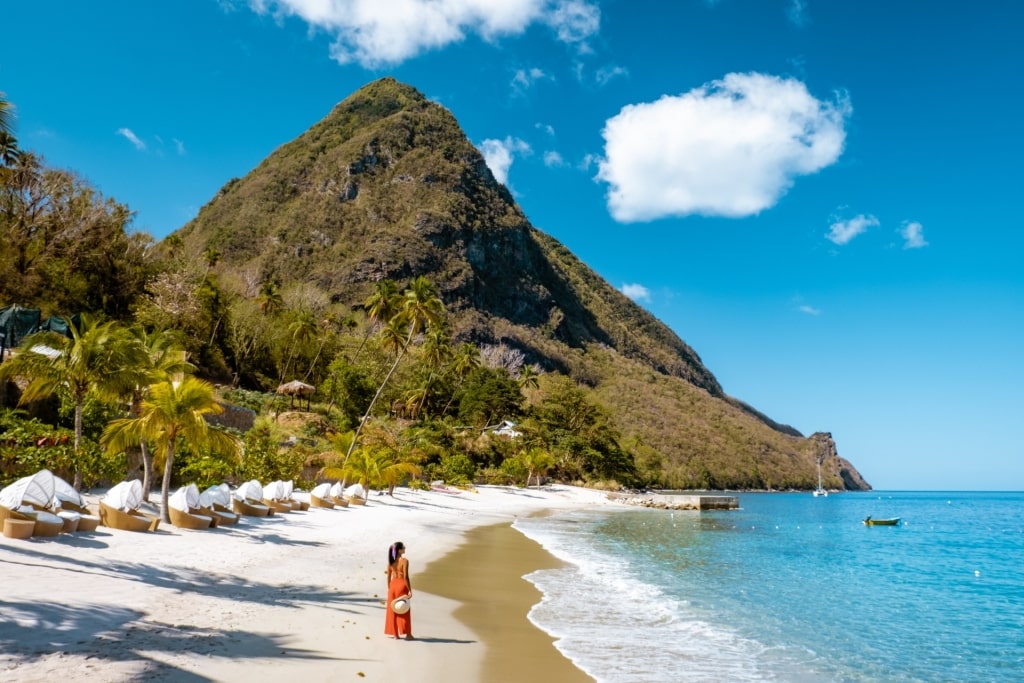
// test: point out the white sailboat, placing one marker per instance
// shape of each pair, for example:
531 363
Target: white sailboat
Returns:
819 491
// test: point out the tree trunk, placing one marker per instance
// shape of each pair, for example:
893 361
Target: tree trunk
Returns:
147 470
369 409
165 488
78 442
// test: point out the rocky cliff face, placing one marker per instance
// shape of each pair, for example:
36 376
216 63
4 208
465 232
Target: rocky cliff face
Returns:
835 466
388 186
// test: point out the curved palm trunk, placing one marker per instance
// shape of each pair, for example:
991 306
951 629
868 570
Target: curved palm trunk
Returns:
78 442
369 409
165 488
147 470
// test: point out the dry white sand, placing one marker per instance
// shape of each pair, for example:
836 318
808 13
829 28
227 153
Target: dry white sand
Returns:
294 597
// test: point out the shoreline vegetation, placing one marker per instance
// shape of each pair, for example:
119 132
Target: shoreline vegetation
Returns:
296 596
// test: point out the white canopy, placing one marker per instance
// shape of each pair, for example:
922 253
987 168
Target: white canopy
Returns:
289 487
65 492
36 489
250 490
274 491
337 491
355 491
184 498
219 494
322 490
125 496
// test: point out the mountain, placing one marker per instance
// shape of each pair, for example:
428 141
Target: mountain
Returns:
388 186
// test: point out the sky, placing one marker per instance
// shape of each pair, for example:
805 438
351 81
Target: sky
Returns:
821 197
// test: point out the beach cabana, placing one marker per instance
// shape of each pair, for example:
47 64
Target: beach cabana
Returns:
209 500
338 495
183 509
28 500
274 497
67 500
247 500
356 494
65 496
36 490
119 509
320 496
297 388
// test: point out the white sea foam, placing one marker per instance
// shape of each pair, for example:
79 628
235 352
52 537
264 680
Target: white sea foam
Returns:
619 628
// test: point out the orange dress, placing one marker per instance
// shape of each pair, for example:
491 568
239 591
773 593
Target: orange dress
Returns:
397 625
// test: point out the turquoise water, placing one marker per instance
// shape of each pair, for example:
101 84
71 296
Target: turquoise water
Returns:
791 588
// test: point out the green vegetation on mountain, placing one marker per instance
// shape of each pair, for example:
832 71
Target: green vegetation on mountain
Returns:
299 269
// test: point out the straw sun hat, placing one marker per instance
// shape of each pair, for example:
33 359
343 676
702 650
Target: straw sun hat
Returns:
400 605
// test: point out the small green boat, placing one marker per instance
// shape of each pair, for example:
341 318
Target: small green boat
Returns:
881 522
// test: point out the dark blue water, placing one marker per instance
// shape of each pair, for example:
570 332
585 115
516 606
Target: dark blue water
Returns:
791 588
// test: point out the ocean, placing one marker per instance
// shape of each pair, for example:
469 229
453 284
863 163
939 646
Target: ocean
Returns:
790 588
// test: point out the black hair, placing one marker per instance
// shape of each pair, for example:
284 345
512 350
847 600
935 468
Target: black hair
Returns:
393 551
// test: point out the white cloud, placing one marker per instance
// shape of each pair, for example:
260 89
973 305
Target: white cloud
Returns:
607 73
841 232
375 33
636 292
499 155
545 127
553 159
809 310
913 235
525 78
131 137
796 12
574 20
728 148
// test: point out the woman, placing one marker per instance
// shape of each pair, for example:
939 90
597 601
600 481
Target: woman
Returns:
399 586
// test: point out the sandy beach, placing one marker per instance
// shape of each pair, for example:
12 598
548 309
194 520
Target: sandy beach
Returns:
297 596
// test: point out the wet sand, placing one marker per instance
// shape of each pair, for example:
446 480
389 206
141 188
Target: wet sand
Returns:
484 575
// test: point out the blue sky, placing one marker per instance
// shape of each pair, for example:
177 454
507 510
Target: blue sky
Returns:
820 197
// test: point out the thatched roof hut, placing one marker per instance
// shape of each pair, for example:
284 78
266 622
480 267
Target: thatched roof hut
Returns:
297 388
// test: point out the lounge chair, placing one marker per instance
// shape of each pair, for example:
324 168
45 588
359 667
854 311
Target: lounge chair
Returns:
127 520
276 498
186 520
47 524
183 510
338 495
244 507
320 497
119 508
207 506
220 518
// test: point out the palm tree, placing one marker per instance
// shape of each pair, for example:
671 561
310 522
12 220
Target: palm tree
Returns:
303 330
421 308
528 377
167 361
380 307
6 114
173 412
437 350
102 359
8 149
537 462
270 298
465 358
375 465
